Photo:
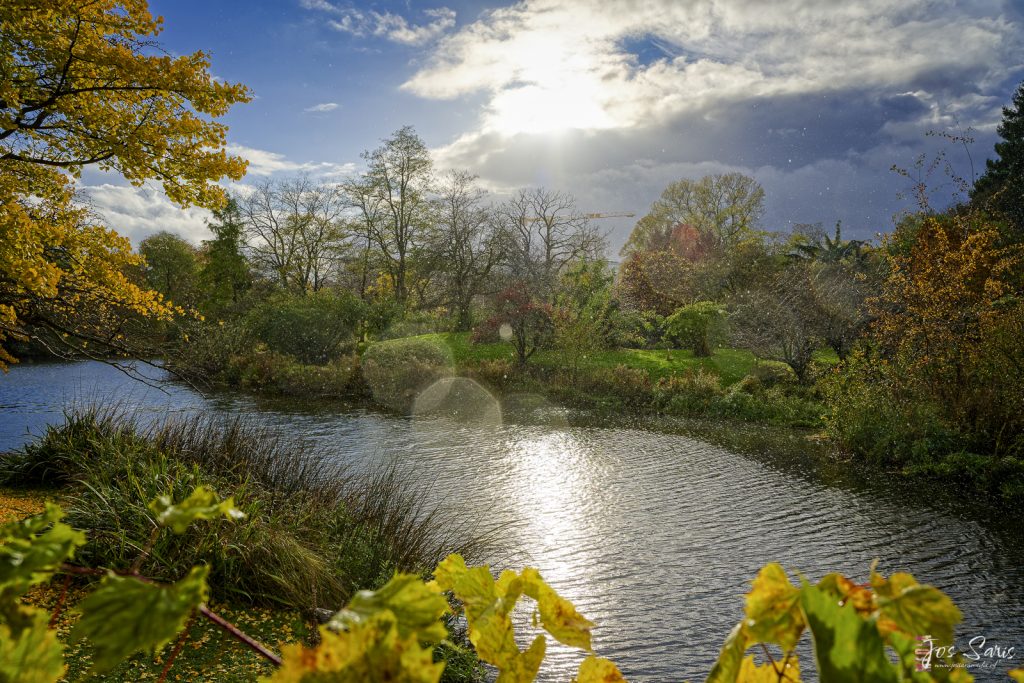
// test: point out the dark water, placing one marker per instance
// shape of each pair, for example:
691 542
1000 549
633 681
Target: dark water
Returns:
655 536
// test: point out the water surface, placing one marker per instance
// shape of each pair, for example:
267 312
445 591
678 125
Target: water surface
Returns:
653 535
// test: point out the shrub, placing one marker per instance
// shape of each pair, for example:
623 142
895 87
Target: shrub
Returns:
630 386
207 349
699 327
638 329
498 373
688 393
521 320
396 371
313 328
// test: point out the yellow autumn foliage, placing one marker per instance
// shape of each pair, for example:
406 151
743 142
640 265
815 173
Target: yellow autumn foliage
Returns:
82 84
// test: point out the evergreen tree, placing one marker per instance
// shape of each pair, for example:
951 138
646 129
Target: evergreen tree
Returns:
225 275
1001 187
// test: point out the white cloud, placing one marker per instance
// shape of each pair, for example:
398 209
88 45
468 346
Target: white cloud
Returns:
549 65
388 25
266 163
137 212
321 108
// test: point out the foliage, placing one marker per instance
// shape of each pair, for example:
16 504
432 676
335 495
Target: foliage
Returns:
781 320
398 370
313 328
392 198
700 327
950 320
225 275
520 319
172 267
851 625
720 209
999 189
655 281
84 86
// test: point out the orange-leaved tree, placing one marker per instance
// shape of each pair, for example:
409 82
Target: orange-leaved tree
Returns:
951 316
84 84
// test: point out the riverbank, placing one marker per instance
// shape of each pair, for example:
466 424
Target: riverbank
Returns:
731 386
313 533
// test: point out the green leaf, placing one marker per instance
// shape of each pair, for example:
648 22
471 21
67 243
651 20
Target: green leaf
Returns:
848 648
33 548
730 658
201 504
125 615
31 654
417 607
773 609
917 609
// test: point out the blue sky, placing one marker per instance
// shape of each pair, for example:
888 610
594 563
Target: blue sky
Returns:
608 100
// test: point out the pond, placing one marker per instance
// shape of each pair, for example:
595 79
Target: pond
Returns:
654 535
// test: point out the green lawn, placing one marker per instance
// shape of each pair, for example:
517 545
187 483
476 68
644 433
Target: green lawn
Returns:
730 365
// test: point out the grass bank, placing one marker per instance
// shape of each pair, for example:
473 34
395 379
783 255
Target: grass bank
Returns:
313 534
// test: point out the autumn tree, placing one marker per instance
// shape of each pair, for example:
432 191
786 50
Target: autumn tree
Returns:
294 232
947 314
521 319
84 84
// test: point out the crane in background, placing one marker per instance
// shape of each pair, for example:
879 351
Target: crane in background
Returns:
588 216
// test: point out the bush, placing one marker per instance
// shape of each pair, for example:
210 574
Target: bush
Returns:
396 371
497 374
699 327
638 329
267 371
313 328
629 386
313 533
208 348
689 393
875 416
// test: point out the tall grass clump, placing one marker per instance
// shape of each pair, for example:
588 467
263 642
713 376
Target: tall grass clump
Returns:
314 531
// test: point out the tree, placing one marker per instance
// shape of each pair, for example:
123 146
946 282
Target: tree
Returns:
821 247
294 232
171 267
699 327
781 319
225 273
721 210
393 200
81 84
945 312
521 319
1001 187
546 232
659 281
468 242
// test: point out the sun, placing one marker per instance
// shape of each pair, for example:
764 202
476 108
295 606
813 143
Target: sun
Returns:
555 90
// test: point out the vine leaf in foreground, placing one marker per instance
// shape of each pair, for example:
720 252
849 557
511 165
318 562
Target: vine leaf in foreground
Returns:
30 653
848 648
33 548
125 615
201 504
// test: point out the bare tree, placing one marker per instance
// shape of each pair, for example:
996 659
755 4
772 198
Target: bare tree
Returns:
294 231
546 232
781 319
393 200
468 243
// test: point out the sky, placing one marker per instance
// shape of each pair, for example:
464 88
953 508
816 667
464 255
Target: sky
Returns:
609 100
